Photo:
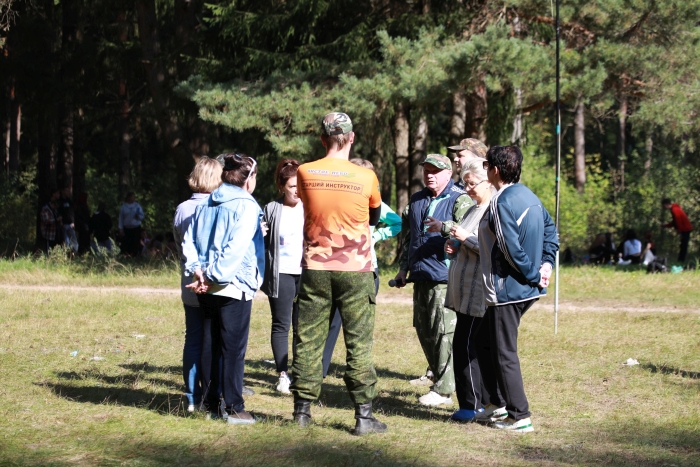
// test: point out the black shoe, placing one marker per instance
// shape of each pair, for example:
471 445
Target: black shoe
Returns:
247 391
217 411
366 423
302 413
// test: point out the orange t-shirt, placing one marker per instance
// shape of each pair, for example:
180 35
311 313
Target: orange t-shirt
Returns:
337 196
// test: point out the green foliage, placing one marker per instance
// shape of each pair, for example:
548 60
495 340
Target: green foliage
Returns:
18 201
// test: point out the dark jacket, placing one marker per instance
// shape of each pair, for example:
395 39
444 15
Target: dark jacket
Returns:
426 256
272 214
516 237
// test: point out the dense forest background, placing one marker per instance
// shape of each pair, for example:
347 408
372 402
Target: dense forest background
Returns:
107 97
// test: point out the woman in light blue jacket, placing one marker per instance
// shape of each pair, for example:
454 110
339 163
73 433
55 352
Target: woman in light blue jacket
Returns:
224 253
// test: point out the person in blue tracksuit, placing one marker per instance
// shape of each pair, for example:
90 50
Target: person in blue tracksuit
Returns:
517 246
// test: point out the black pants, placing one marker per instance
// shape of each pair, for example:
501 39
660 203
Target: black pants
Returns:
230 324
334 326
685 238
131 243
285 312
468 382
499 364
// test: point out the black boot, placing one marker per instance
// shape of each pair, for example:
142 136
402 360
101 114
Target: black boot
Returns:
302 413
366 423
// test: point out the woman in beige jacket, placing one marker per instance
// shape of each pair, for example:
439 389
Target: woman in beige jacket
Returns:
465 294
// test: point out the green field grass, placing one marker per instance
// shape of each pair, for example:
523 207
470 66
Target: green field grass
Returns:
119 400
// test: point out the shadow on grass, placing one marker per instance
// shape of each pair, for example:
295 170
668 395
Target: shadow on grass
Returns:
669 370
168 403
632 444
243 451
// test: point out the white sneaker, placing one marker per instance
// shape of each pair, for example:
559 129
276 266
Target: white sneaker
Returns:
425 380
434 399
516 426
192 408
491 414
284 383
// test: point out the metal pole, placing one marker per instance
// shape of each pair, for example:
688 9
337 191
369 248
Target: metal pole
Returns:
558 109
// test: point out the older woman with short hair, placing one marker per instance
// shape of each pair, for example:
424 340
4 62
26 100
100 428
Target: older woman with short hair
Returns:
205 178
225 255
465 291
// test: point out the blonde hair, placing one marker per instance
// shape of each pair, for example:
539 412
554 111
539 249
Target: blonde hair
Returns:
476 167
362 163
206 175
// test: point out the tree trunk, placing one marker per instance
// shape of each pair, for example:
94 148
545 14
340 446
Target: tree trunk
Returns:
459 117
15 130
124 108
622 140
79 166
381 167
46 162
418 153
477 105
580 148
650 150
401 167
517 134
155 76
69 37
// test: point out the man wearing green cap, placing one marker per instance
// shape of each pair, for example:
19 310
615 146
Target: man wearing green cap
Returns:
426 223
468 149
341 201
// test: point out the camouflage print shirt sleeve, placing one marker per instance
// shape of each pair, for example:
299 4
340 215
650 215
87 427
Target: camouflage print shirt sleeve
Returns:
462 205
405 239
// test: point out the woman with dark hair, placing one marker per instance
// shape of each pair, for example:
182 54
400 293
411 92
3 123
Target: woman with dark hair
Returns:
284 247
224 254
631 249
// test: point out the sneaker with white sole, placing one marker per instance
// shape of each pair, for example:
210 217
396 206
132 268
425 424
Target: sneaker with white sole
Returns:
492 413
192 408
515 426
425 380
433 399
284 383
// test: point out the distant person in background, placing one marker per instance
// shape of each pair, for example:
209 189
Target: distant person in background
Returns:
82 223
196 358
67 213
144 243
649 252
391 227
602 250
101 226
682 225
50 224
284 248
130 217
631 249
467 150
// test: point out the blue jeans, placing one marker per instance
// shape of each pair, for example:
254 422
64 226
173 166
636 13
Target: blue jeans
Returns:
196 329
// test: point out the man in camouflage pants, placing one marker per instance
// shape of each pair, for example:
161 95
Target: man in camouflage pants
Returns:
341 201
427 221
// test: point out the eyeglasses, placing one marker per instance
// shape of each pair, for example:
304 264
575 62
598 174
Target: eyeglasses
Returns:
471 186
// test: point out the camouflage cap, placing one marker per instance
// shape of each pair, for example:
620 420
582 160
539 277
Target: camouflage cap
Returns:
336 123
472 145
439 161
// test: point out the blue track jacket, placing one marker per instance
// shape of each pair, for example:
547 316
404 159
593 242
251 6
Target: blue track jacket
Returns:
516 237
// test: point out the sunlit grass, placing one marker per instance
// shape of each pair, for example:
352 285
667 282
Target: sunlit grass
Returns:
119 400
